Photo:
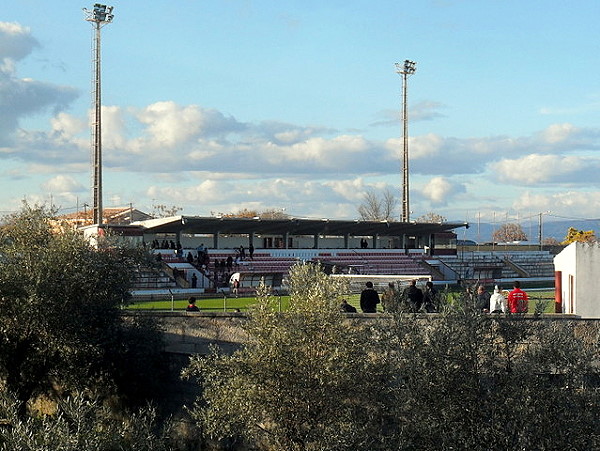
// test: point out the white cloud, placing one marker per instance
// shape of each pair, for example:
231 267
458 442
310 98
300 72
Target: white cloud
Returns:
62 184
425 111
558 133
439 189
422 111
351 190
16 41
63 189
534 168
569 203
20 97
169 124
67 125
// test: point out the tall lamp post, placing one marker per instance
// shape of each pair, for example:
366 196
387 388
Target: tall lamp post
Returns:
98 16
405 70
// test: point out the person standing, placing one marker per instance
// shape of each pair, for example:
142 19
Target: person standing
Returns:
483 299
518 301
413 297
235 287
430 298
389 298
369 299
497 301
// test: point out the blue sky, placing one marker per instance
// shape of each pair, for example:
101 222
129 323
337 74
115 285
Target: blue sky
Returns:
215 106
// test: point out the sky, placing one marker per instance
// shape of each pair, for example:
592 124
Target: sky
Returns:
215 106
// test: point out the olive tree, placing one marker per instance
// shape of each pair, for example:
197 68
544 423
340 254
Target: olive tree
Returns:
305 380
78 423
60 320
311 378
484 382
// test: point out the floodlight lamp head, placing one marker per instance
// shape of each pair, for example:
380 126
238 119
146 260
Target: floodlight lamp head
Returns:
99 14
409 67
406 68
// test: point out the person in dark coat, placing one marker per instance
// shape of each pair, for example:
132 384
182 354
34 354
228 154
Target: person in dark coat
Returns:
369 299
483 300
413 297
430 301
347 308
192 307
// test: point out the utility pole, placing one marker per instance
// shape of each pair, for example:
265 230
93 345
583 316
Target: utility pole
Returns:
99 16
540 233
405 70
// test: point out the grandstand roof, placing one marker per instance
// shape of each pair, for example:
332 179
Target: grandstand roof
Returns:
293 226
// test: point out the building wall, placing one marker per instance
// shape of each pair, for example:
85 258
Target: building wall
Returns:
579 266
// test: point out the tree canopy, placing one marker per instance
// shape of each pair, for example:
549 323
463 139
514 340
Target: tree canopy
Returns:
431 217
509 232
60 321
263 214
376 207
312 379
574 235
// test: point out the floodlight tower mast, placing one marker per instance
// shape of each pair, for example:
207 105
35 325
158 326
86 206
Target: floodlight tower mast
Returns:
98 16
405 70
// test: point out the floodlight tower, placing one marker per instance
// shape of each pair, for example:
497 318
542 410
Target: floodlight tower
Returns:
98 16
405 70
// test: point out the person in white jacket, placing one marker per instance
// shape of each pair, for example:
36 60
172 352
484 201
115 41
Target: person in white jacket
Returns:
497 301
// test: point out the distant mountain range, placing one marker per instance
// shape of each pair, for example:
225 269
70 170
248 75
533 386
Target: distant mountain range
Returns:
482 232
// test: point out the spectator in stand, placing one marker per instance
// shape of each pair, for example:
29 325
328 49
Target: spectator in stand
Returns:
413 297
518 301
497 301
194 280
483 299
235 287
192 307
229 262
369 299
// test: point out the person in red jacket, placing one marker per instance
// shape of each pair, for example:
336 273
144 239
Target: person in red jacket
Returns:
518 302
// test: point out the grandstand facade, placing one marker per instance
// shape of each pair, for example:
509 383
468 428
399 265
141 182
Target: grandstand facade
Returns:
204 255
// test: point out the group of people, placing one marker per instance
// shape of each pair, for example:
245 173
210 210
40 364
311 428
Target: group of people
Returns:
414 300
240 252
516 302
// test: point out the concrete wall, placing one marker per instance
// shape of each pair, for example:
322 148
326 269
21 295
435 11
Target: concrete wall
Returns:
579 266
192 333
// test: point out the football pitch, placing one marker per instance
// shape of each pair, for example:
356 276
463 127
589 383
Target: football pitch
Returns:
232 304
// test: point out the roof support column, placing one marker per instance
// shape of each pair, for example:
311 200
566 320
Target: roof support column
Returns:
286 239
375 238
316 241
216 240
251 239
347 241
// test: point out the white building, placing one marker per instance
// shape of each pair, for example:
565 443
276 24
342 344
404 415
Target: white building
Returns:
577 279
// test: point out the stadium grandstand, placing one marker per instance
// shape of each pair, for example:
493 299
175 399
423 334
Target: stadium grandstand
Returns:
204 255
